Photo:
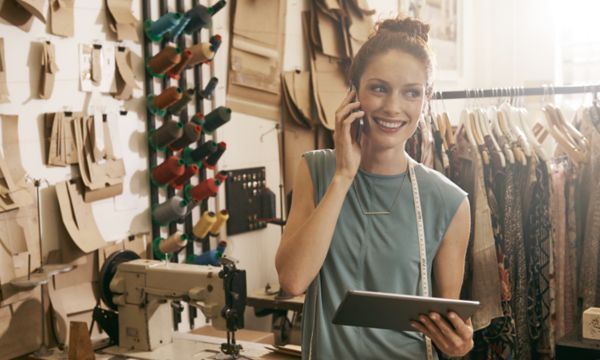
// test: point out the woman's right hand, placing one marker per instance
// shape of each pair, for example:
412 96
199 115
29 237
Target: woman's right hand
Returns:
347 151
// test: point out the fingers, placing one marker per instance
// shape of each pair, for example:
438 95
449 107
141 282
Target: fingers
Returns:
429 328
345 110
464 329
446 329
454 338
347 105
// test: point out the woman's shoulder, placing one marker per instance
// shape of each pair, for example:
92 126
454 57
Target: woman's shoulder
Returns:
434 182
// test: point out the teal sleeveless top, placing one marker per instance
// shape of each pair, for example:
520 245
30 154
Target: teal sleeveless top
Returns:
373 253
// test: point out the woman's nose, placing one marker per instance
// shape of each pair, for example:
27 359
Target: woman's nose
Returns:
392 106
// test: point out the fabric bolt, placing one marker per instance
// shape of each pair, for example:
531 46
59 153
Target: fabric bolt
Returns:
364 248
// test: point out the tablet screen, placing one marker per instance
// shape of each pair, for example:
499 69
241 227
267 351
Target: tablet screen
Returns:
394 311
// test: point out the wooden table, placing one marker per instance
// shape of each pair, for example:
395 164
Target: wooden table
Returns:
259 299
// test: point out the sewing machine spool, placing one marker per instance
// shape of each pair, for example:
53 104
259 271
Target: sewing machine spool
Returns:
109 268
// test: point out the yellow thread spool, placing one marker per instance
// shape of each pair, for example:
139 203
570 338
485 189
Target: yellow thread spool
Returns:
173 243
222 218
204 224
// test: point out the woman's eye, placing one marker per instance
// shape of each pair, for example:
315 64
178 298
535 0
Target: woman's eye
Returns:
413 93
378 88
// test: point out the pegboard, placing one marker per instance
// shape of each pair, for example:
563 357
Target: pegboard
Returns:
242 190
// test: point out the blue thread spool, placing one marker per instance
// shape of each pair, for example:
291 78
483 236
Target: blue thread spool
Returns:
157 29
209 89
212 257
178 29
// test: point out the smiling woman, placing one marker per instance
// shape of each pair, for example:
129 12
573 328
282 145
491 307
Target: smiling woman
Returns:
383 235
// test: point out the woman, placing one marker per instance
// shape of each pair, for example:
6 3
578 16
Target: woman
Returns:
353 220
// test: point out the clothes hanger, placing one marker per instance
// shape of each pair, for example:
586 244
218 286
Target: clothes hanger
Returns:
485 127
467 124
497 133
516 128
450 134
579 139
562 141
474 118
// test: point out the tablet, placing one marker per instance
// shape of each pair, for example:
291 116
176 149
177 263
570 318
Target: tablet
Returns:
394 311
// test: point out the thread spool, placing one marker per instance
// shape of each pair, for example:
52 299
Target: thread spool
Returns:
201 16
216 118
182 103
221 176
209 89
212 257
203 190
163 61
171 210
190 171
158 104
169 170
198 154
222 217
163 247
204 52
178 28
191 134
166 134
212 159
198 118
155 30
201 228
176 70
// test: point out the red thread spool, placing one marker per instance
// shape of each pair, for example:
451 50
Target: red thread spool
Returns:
169 170
212 159
164 60
167 98
176 70
221 176
187 174
204 190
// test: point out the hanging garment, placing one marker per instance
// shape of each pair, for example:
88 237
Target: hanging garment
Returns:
589 273
559 234
515 255
484 282
537 234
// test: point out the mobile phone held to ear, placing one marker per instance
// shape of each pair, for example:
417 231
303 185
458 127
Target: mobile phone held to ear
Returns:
357 127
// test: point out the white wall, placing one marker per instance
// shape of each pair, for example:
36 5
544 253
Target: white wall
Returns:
116 217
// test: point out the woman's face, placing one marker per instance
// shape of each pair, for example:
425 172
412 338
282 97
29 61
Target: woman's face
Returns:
392 94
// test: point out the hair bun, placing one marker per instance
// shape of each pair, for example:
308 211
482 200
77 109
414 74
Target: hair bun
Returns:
410 26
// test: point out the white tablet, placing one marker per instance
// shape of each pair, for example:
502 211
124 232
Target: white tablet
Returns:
394 311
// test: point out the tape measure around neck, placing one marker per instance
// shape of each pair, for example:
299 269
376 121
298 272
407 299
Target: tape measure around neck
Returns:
422 249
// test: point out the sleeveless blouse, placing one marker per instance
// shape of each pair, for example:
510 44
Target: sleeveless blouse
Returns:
373 253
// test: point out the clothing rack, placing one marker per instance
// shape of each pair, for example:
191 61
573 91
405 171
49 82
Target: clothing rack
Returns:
548 90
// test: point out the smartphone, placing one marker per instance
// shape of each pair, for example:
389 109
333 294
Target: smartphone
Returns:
358 126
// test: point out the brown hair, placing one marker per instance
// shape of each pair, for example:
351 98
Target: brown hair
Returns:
405 34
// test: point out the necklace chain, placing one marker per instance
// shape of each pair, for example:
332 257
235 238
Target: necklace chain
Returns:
382 212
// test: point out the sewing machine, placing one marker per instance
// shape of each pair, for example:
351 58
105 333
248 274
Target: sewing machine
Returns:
141 291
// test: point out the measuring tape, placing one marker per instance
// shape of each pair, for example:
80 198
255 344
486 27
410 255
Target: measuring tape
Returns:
422 259
422 250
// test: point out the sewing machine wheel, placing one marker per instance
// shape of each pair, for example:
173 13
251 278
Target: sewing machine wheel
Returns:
109 268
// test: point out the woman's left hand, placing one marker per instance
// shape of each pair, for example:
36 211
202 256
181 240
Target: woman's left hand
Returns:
454 338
